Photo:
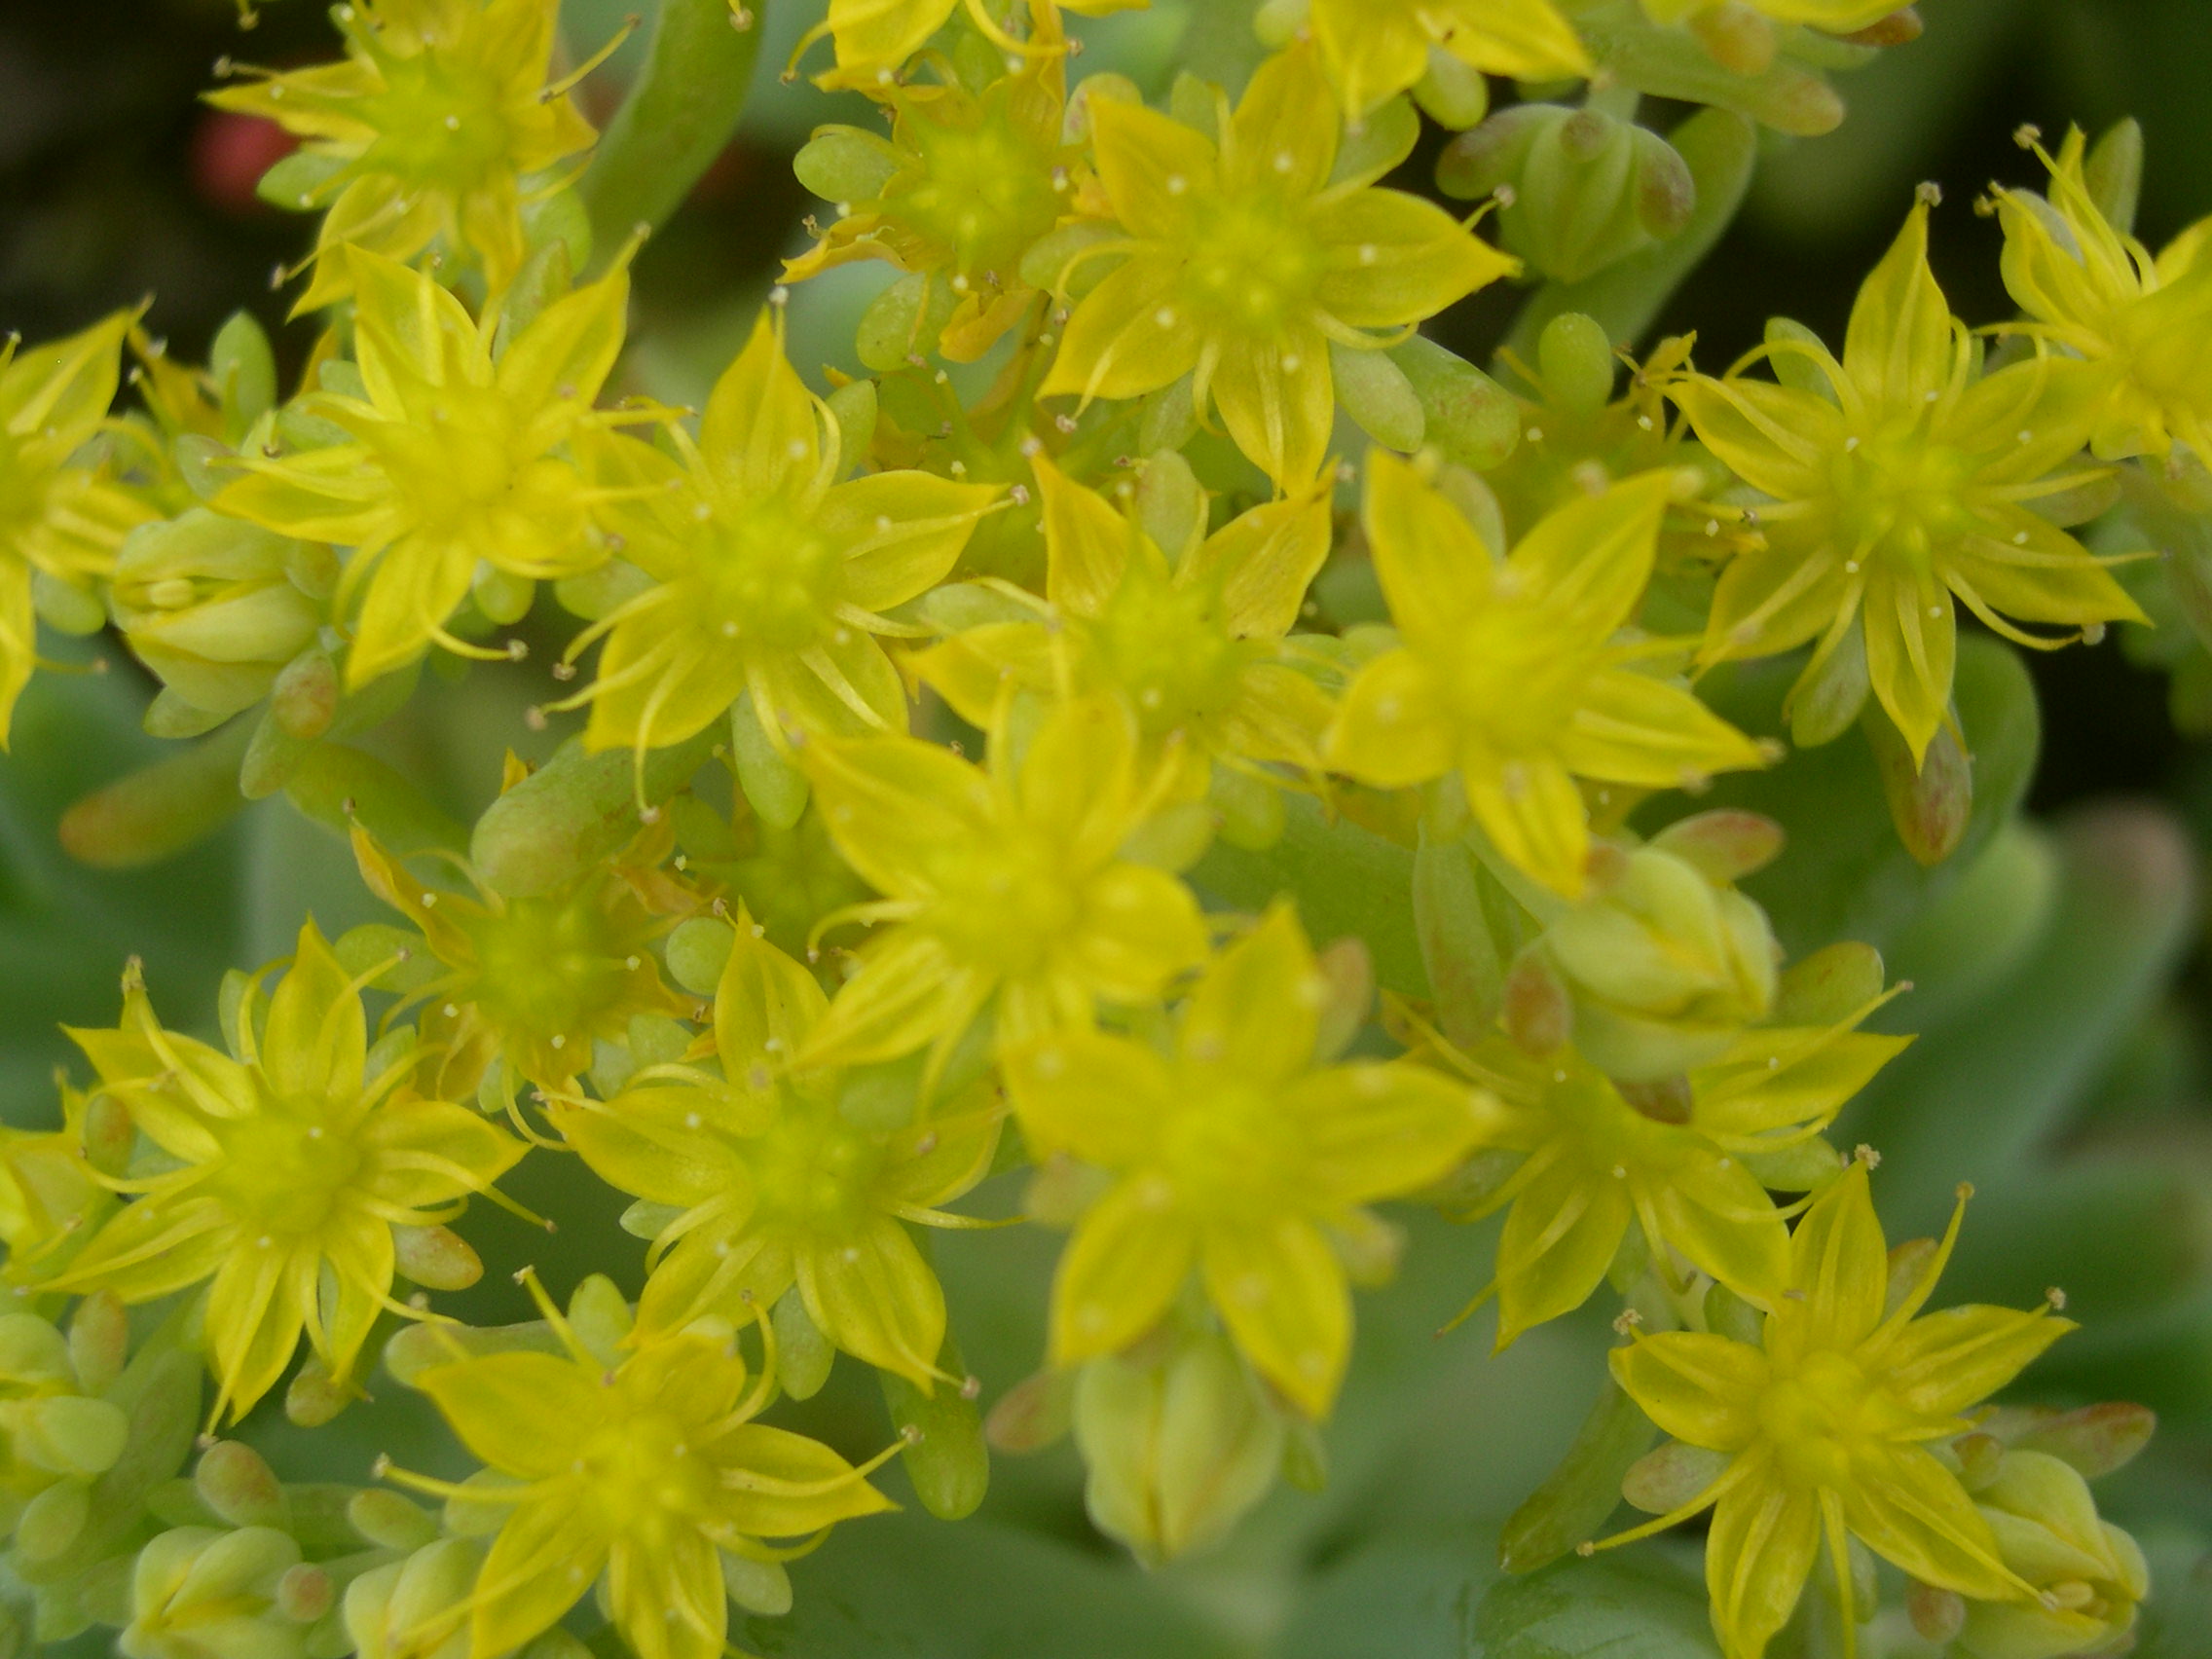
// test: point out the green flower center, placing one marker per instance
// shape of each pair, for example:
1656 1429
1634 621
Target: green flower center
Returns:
817 1172
644 1474
769 579
1225 1152
1814 1417
547 967
1170 649
1903 498
982 194
1515 678
1008 908
1253 266
286 1169
459 463
439 125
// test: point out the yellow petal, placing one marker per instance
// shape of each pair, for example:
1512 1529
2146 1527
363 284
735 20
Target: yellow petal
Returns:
1911 650
1591 560
785 1460
1283 136
1155 170
1372 51
1560 1236
547 1557
1277 398
1129 1255
1632 729
1281 1292
1533 816
417 584
1264 560
765 1005
318 1036
1126 337
567 352
518 1412
1381 1131
873 1295
902 533
1899 347
1911 1511
761 433
1840 1261
1088 544
1105 1099
1697 1386
1394 258
1945 1362
1435 570
1256 1010
1779 439
1764 1539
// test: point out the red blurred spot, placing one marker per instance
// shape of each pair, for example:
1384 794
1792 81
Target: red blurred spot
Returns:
229 152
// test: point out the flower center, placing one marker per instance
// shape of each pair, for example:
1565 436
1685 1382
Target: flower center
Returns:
1903 498
438 124
769 579
1812 1417
815 1170
546 967
1253 266
1170 648
642 1470
1225 1151
982 194
285 1170
1007 908
1515 678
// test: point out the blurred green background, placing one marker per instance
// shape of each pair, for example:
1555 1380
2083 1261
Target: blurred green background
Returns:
2063 998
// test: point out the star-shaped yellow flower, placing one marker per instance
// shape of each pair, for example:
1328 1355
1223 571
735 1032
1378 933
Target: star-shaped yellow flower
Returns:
1905 481
2144 320
774 1186
1826 1428
1006 886
646 1466
454 456
769 575
1246 264
1238 1153
1191 641
291 1169
1510 673
430 131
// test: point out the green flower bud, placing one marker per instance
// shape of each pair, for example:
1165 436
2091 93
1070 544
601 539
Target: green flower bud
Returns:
2090 1572
416 1609
239 1486
946 1459
1177 1445
804 1355
1664 965
33 1354
209 604
389 1521
100 1341
195 1591
436 1257
1578 189
760 1587
66 1434
53 1520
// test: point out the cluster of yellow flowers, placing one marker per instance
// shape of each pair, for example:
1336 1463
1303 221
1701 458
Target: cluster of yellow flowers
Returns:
796 1027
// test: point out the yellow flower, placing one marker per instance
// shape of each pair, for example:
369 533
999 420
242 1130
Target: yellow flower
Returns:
1243 1154
1376 48
292 1170
1245 266
61 519
1902 481
769 575
874 38
427 133
964 185
774 1187
647 1467
2144 320
453 455
1824 1429
1006 886
529 982
1682 1164
1510 673
1192 644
